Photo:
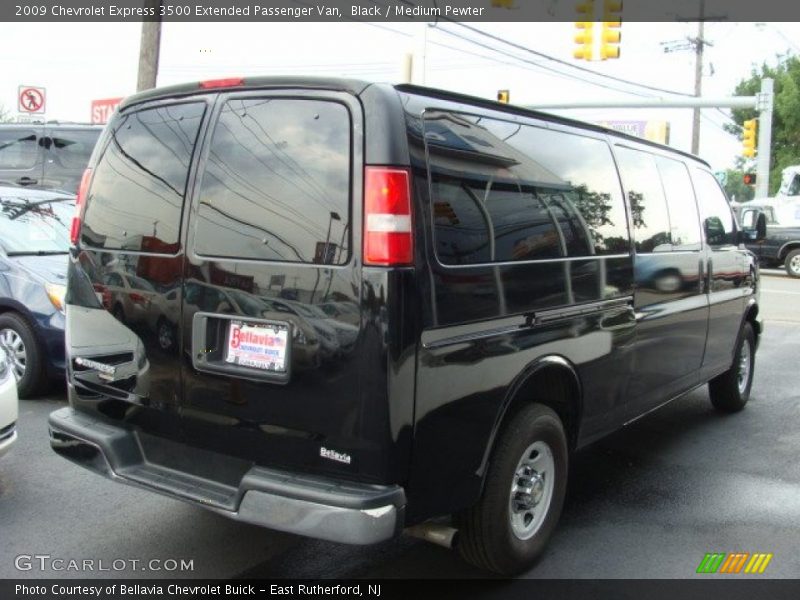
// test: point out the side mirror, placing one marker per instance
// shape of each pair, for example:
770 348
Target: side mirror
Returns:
761 227
754 226
714 230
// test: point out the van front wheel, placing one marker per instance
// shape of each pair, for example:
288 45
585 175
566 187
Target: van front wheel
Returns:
509 527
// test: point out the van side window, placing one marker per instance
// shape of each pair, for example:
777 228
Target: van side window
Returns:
683 217
648 204
19 149
277 182
139 183
715 212
73 148
502 191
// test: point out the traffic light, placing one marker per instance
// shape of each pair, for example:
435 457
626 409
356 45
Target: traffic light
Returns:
611 35
749 138
503 96
585 29
749 178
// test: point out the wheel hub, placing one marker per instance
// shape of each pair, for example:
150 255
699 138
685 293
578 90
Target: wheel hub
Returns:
14 350
531 490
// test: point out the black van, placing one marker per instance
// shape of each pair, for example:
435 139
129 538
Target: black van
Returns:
48 155
524 284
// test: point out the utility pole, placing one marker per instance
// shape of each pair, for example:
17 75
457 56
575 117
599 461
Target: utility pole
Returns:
765 104
149 48
700 43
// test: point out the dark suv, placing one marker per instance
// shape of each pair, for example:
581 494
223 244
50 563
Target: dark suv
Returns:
524 284
46 155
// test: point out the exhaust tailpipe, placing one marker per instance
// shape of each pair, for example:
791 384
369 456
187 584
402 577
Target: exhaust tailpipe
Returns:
436 533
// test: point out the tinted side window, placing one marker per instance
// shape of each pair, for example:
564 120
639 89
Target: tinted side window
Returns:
138 187
715 212
640 178
683 218
502 191
277 182
18 149
73 148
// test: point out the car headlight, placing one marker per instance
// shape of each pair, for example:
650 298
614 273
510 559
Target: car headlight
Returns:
56 294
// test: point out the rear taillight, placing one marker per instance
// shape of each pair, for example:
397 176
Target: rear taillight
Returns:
211 84
83 189
137 298
388 235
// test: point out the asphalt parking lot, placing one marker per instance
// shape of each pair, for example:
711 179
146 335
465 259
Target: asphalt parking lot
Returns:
648 502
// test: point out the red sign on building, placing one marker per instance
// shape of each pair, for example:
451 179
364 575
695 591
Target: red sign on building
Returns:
103 109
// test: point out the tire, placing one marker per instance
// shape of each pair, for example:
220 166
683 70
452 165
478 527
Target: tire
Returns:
495 534
118 312
730 391
792 263
24 354
165 334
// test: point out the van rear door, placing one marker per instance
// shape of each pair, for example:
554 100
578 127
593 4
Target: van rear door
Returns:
269 375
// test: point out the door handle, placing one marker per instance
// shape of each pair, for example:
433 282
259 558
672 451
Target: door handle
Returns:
27 181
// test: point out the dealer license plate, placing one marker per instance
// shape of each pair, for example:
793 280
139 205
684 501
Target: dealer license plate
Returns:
263 346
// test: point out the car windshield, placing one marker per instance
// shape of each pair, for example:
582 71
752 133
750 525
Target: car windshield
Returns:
249 305
308 310
141 284
35 226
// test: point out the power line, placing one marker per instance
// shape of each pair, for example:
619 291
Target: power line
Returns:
565 63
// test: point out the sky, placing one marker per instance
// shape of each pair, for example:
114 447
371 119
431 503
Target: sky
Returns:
79 62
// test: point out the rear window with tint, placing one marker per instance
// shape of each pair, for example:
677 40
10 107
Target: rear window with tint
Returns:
18 148
276 185
138 188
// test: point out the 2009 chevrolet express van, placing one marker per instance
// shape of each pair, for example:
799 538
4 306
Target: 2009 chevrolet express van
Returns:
524 285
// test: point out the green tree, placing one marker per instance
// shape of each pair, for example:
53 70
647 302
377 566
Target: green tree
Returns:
736 187
5 116
785 147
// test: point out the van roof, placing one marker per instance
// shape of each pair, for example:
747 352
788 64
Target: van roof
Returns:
356 87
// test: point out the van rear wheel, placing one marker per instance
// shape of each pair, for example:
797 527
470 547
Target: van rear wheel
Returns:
509 527
730 391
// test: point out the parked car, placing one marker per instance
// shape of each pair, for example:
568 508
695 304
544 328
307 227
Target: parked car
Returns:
46 155
34 242
344 311
503 322
130 296
775 245
8 404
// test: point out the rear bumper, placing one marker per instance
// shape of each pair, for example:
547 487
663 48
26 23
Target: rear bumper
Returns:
313 506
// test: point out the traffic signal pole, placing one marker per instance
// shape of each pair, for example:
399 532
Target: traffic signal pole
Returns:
765 102
762 103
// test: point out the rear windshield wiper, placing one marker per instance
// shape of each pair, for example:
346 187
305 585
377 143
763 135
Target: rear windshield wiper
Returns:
37 253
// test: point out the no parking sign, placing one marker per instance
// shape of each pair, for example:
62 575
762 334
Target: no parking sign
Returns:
31 99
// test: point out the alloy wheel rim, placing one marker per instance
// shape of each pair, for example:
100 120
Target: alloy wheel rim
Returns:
164 336
743 376
16 356
531 490
794 264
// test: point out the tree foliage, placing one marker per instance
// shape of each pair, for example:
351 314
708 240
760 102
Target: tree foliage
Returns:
5 116
785 148
736 187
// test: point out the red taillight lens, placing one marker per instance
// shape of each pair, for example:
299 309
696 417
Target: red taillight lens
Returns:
83 189
137 298
388 235
210 84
